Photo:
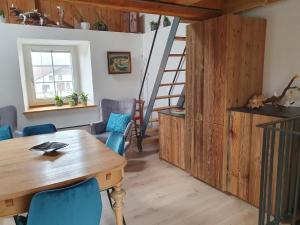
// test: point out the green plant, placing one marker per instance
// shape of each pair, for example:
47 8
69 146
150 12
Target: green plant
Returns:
2 13
83 98
154 25
58 101
75 97
167 21
71 102
99 24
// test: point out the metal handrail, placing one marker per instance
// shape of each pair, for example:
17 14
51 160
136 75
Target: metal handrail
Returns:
149 59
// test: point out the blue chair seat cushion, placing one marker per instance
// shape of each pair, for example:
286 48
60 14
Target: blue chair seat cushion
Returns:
103 137
117 123
5 133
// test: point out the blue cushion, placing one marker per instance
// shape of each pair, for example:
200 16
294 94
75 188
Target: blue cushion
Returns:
118 122
76 205
116 143
5 133
39 129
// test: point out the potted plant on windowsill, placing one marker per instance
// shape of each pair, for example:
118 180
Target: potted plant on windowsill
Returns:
83 98
59 101
2 16
73 99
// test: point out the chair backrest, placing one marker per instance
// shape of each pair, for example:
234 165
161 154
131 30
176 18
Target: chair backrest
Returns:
76 205
5 133
8 117
108 106
39 129
116 142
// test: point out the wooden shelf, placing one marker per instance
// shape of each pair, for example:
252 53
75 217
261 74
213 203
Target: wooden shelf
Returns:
57 108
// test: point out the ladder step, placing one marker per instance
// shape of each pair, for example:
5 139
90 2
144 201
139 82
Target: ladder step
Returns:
154 120
172 84
168 96
164 108
180 38
168 71
177 55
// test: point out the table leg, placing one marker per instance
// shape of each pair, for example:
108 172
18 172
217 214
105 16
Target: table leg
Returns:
118 195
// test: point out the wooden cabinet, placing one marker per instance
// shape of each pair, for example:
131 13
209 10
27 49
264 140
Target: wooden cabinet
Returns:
225 58
244 155
171 139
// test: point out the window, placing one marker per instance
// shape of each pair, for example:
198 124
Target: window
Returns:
50 71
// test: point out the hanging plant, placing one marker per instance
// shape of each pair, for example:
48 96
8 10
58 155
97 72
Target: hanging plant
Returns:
167 21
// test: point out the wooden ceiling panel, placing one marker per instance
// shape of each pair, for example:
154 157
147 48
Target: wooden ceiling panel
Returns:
154 7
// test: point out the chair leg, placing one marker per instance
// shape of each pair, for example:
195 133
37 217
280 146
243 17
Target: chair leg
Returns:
111 205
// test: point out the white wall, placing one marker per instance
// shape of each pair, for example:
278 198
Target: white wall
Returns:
105 86
282 57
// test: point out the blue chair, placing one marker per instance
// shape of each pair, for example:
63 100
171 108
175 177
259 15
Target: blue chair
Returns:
116 142
5 133
39 129
76 205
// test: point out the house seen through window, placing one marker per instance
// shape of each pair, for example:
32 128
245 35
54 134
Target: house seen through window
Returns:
52 74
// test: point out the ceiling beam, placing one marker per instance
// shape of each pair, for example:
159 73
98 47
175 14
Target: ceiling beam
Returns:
182 2
185 12
235 6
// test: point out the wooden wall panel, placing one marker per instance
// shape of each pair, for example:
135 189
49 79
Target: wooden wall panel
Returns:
116 20
194 96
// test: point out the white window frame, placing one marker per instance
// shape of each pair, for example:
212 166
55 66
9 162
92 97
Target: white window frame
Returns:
27 49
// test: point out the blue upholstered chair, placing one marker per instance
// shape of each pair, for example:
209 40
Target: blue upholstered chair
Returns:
8 117
79 204
39 129
116 142
5 133
109 106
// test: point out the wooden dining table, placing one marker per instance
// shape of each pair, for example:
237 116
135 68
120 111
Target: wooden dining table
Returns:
24 173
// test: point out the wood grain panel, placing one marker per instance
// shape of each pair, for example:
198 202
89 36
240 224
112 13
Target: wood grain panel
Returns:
224 68
171 136
117 20
244 156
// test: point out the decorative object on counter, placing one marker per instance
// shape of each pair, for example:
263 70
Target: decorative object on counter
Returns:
99 24
119 62
32 17
85 25
2 16
167 21
83 98
257 101
154 25
59 101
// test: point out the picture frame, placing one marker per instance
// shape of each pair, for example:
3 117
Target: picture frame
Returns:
119 62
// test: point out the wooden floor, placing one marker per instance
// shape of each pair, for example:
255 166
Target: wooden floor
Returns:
160 194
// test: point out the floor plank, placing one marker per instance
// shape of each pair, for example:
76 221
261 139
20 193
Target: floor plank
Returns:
160 194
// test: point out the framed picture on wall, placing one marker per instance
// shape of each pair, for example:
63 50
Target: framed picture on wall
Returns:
119 62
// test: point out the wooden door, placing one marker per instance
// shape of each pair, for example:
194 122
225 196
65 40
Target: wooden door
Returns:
171 136
244 155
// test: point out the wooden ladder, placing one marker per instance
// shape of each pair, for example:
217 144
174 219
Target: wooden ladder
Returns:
163 71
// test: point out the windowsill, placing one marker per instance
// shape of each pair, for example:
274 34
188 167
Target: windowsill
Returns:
57 108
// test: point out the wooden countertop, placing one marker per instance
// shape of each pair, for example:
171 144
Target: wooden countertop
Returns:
270 110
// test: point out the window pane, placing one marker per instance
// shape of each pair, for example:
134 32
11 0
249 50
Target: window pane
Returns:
61 58
43 74
44 90
63 73
64 88
41 58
